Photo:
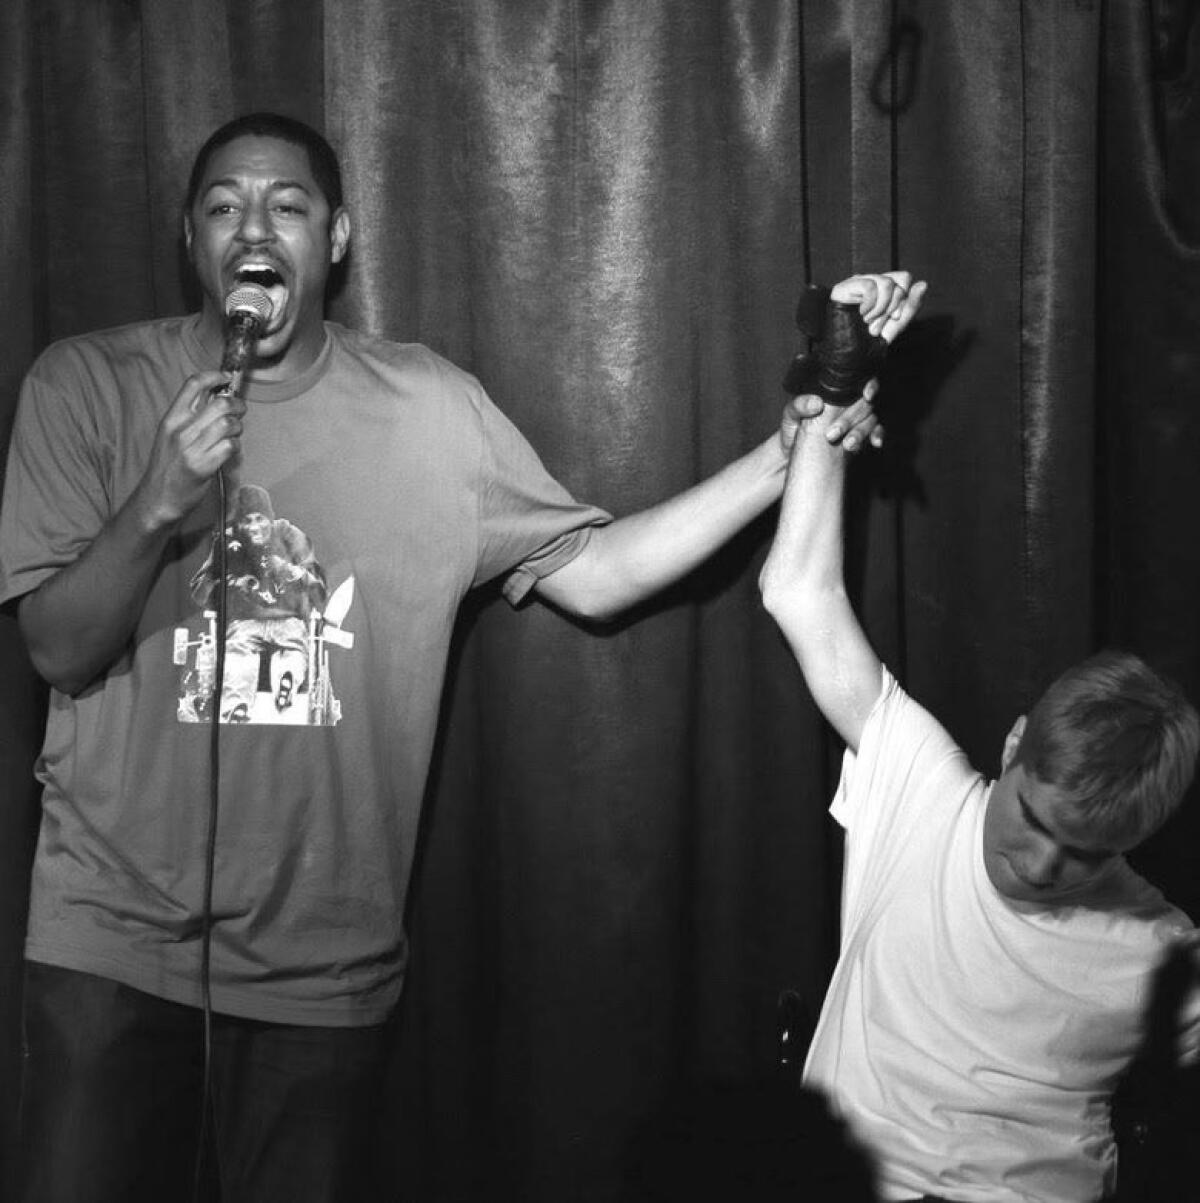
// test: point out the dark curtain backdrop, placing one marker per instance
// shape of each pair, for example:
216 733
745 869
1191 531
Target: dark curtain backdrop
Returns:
606 210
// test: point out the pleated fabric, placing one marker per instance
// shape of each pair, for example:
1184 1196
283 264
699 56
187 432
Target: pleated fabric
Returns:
607 211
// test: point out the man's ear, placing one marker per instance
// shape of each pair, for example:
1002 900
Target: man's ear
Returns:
339 235
1012 741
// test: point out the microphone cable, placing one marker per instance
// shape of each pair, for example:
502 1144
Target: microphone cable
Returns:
247 309
210 839
802 122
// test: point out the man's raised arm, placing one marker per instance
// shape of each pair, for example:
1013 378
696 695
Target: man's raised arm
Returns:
640 554
803 582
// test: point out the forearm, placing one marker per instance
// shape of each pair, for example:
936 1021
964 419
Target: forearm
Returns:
638 555
77 622
805 563
803 585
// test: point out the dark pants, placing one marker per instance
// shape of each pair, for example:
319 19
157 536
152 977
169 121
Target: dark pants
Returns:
110 1101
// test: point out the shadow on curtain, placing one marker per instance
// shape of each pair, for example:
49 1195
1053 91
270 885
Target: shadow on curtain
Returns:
607 212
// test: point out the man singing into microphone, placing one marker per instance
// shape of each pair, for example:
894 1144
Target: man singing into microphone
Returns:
107 519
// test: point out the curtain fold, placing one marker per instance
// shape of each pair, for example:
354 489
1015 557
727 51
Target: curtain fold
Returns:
607 211
1148 404
22 698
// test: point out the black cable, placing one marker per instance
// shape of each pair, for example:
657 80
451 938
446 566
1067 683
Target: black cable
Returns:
802 114
894 41
210 843
894 131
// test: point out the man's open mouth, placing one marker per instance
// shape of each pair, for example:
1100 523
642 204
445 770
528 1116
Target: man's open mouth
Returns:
264 276
269 279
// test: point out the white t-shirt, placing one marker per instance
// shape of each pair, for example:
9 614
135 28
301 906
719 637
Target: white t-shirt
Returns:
972 1043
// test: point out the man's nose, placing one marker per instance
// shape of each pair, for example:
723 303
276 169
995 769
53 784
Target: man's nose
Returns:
255 225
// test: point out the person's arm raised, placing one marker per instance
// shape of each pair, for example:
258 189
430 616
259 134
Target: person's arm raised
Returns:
78 621
640 554
803 586
803 579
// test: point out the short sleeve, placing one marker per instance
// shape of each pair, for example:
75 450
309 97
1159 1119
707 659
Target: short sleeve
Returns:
905 758
529 524
908 781
56 495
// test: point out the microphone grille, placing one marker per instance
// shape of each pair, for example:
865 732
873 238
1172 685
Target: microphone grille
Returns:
249 298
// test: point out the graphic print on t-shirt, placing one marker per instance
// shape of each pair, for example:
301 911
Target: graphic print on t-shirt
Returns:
282 622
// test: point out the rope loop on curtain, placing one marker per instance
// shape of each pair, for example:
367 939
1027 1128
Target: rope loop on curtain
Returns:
899 67
893 90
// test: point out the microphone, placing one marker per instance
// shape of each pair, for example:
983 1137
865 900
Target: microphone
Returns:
247 310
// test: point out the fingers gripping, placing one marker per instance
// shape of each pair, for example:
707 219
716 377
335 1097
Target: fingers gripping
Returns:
844 354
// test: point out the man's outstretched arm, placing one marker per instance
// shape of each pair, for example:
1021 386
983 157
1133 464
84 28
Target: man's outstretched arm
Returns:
638 555
803 580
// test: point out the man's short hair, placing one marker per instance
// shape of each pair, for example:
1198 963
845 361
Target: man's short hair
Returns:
1119 740
321 156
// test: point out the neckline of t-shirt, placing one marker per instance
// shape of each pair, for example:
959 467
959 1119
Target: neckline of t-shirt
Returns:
266 392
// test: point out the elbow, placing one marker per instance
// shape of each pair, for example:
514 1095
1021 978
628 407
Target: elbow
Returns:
768 592
780 602
59 652
54 661
778 593
66 678
597 608
592 597
799 606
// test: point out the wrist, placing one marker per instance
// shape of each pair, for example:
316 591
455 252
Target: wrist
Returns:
827 426
150 519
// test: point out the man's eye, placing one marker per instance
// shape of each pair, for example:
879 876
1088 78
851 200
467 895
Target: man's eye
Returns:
290 210
1030 820
221 210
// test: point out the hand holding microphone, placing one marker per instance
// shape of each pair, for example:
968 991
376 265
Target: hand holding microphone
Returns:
200 432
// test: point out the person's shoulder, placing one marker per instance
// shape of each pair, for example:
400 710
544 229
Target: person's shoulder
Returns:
908 768
900 719
389 354
1139 908
113 343
412 371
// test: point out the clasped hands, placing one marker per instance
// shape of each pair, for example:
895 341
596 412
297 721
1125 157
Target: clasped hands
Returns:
887 302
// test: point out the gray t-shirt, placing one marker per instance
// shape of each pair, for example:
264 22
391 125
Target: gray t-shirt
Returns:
372 493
